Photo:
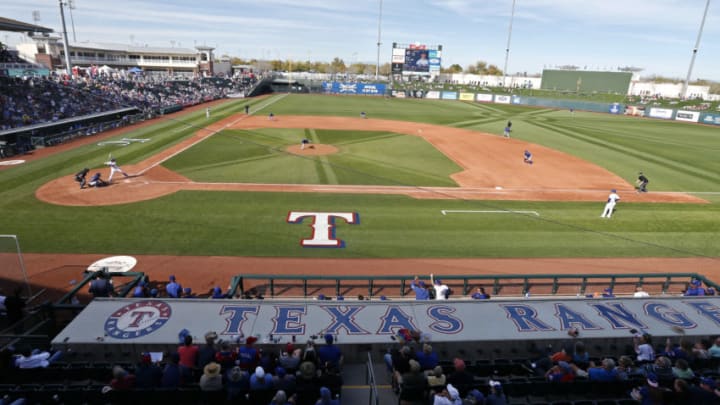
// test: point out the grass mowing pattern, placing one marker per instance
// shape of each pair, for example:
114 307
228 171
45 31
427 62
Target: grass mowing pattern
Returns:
675 157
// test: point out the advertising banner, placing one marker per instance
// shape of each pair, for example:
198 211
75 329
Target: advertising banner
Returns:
501 99
484 98
397 68
433 94
354 88
467 96
398 51
663 113
398 93
615 108
636 111
398 59
516 100
449 95
708 118
434 61
689 116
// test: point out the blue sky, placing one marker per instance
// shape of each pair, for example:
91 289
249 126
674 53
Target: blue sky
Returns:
656 35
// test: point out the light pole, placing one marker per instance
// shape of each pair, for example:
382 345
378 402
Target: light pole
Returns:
507 48
377 66
683 93
71 7
65 40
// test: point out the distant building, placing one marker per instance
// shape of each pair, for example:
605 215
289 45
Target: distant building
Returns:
47 49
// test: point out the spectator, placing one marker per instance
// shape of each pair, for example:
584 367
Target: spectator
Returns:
480 294
606 372
207 352
496 395
562 372
705 392
306 383
310 354
171 373
627 370
280 398
122 380
474 397
284 381
227 357
237 384
331 379
248 355
35 358
643 348
421 290
187 293
715 349
188 354
427 358
141 290
260 380
639 293
448 396
289 358
436 379
650 393
682 370
147 374
211 379
330 354
326 397
460 378
442 291
413 385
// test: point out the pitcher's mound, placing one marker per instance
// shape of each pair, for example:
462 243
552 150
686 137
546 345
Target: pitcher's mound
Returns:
312 149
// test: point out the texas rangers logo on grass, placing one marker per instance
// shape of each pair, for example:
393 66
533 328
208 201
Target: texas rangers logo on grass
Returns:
137 319
323 227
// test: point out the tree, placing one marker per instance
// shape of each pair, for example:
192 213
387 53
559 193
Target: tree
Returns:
494 71
338 65
454 68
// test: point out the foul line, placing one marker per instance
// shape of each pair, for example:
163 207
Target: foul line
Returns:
445 212
212 132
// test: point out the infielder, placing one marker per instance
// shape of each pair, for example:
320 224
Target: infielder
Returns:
506 133
207 113
612 199
114 168
642 183
527 157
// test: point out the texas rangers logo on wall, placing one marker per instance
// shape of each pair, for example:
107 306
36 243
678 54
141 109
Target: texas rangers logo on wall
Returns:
137 319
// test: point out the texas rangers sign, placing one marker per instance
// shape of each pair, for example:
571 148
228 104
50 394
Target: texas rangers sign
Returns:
359 322
137 319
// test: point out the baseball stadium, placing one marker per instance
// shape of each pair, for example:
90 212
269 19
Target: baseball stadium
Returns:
399 235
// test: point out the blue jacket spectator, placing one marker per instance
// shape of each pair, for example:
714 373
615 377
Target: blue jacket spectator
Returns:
421 292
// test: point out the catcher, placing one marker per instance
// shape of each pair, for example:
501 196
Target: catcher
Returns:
96 181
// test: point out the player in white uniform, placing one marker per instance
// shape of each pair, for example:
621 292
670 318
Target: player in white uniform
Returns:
612 199
114 168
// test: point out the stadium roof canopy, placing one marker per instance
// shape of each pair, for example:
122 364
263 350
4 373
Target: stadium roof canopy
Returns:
7 24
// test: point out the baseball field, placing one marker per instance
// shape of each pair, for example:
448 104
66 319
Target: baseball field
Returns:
433 185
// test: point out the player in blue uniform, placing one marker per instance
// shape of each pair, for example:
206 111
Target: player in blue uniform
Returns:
527 157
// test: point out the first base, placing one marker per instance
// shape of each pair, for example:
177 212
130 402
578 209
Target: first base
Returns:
498 188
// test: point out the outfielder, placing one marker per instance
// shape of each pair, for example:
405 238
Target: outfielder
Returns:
114 168
612 199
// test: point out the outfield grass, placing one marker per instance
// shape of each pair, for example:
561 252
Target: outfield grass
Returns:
676 157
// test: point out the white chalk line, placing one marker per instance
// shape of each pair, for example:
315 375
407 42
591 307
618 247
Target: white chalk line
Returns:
242 117
445 212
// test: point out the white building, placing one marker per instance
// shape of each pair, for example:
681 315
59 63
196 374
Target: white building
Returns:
48 50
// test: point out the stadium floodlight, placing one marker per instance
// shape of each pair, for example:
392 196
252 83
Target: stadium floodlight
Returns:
507 48
683 93
377 66
65 39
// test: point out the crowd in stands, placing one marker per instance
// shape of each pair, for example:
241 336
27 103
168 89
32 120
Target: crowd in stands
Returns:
220 371
34 100
676 372
6 56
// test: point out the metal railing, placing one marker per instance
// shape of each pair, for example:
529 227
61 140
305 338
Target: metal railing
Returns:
550 284
371 381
